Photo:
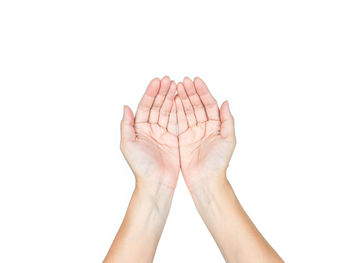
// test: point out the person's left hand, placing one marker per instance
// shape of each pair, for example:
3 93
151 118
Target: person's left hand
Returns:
206 133
149 142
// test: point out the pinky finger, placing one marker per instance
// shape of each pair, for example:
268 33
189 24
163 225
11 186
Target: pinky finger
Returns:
172 120
181 116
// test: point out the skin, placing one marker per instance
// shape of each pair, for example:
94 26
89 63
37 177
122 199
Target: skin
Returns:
206 143
149 144
206 134
186 131
149 141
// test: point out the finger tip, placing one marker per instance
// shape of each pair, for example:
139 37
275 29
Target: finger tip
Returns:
180 87
200 86
154 83
165 80
225 108
224 104
187 82
155 80
127 112
187 79
153 87
189 86
196 79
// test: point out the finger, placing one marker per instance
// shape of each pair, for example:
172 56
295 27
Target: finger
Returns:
172 127
191 118
143 110
127 129
227 122
181 116
167 105
211 107
196 102
164 88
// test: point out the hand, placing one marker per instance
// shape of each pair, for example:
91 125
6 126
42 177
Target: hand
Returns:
206 134
149 142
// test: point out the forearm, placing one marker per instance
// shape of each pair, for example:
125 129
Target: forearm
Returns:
138 236
233 231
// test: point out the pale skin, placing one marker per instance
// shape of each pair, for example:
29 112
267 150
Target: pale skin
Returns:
180 127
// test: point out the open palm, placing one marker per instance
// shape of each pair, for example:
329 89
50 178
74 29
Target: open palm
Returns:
206 134
149 141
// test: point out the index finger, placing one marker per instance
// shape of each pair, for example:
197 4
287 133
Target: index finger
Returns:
210 104
143 109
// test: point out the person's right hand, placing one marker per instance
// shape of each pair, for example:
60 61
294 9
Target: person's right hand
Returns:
206 134
149 142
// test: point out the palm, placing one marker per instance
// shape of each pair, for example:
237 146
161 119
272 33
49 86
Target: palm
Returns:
206 138
152 151
156 153
201 148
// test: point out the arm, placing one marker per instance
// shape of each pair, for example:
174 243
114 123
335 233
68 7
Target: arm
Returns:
206 143
233 231
149 144
138 236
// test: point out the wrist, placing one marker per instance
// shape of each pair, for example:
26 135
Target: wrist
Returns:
165 181
208 191
157 195
199 181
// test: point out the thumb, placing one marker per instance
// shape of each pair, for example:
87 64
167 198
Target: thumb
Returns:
227 122
127 129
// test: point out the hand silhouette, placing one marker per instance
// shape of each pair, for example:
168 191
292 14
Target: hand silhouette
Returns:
206 134
149 142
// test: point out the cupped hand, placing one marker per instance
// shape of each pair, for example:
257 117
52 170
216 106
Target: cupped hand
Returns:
206 133
149 141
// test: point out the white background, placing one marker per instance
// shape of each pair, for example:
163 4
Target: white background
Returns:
67 67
